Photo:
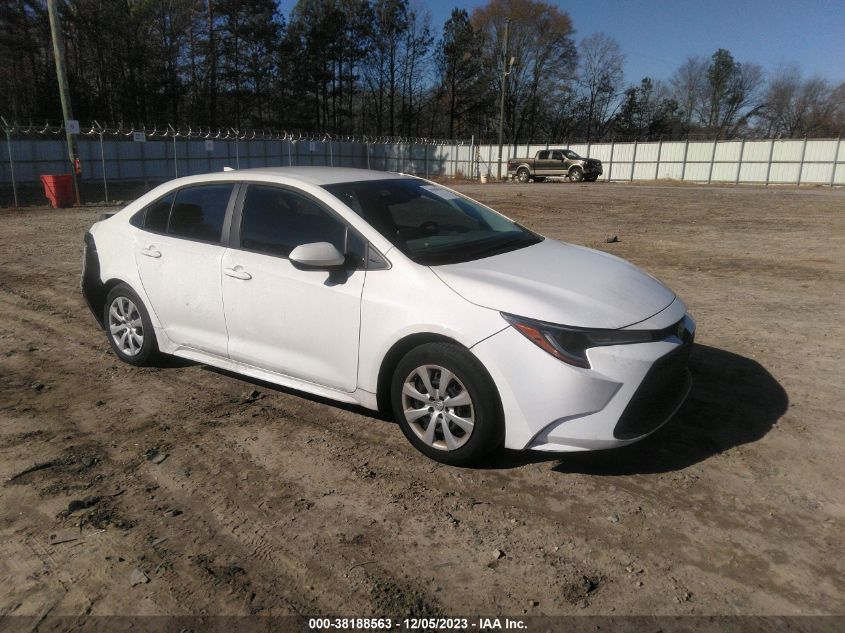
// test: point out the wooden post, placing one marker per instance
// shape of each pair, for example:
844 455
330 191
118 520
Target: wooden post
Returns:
8 130
769 165
659 151
64 92
739 165
801 165
712 160
633 162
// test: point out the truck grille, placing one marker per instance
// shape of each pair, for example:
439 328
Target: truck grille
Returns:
662 390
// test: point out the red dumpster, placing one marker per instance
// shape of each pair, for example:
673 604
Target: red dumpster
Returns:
59 190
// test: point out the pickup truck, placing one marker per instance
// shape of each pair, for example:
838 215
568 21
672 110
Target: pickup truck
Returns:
554 162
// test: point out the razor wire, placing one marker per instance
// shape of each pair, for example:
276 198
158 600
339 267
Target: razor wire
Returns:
191 132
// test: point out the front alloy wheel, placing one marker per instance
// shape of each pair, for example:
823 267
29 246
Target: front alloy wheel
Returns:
576 174
447 404
438 407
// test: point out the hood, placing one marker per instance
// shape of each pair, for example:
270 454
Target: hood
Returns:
560 283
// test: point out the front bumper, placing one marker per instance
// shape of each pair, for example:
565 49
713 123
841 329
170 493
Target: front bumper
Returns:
629 392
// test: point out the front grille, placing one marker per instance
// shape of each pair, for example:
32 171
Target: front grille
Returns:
660 393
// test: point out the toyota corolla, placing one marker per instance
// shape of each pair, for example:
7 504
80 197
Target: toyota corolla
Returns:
396 294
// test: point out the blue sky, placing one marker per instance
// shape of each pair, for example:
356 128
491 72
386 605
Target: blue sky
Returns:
657 35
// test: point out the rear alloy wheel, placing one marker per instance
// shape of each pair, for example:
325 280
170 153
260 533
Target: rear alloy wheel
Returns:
523 175
576 174
128 326
446 404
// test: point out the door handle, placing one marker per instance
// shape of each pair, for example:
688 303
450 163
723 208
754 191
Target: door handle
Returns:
151 251
237 272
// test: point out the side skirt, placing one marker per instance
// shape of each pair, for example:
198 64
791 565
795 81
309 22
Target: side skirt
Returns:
359 396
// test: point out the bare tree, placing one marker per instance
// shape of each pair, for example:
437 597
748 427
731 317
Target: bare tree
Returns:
600 75
689 89
544 54
794 106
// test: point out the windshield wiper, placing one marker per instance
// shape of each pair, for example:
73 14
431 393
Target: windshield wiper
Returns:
505 245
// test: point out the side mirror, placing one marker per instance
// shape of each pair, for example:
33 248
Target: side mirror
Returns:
317 255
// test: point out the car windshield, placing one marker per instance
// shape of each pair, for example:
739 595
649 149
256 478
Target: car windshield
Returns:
571 155
430 224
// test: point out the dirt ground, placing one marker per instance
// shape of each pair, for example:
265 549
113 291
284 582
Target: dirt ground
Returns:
271 502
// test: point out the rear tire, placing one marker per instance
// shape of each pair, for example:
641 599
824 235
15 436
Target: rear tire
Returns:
523 175
128 326
447 404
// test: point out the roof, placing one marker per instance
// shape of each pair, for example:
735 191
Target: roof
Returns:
315 175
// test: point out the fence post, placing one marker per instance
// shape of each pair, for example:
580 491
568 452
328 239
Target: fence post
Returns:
712 160
684 164
103 163
739 165
769 165
331 153
659 151
801 166
835 158
610 168
237 154
633 162
12 162
144 165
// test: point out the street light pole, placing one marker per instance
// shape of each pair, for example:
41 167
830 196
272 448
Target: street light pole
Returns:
505 73
64 93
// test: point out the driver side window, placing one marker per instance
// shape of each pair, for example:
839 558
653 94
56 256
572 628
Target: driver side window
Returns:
557 155
276 220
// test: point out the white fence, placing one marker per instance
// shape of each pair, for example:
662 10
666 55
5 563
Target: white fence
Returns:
819 161
794 162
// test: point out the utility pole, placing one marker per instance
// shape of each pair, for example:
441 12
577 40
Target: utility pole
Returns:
506 63
64 93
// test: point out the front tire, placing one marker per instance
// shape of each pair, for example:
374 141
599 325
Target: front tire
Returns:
128 326
576 174
447 404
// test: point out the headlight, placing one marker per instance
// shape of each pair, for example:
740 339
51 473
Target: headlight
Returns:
570 344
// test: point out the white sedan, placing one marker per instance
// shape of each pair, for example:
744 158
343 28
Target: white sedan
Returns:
398 294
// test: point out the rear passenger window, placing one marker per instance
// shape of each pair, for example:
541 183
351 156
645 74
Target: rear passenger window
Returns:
158 213
275 221
198 212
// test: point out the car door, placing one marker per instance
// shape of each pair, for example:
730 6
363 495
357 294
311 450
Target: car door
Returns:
541 163
300 322
558 163
179 252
